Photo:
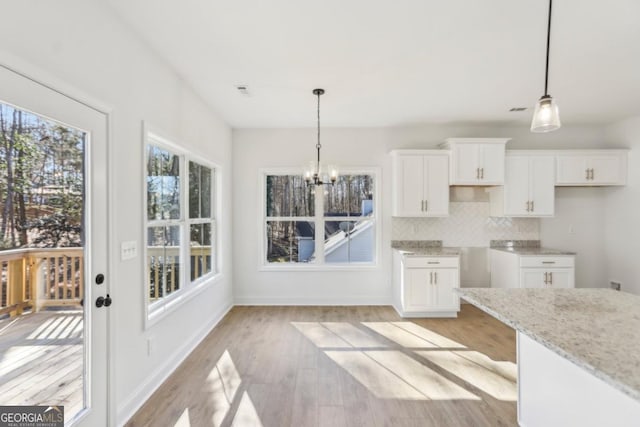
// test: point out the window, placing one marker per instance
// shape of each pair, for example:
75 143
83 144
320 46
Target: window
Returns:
180 222
328 225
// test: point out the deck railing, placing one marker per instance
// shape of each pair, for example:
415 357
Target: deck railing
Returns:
38 278
163 268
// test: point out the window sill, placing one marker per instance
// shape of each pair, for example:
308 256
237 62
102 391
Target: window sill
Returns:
323 267
178 299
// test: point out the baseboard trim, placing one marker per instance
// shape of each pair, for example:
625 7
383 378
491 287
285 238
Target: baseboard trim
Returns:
143 392
306 301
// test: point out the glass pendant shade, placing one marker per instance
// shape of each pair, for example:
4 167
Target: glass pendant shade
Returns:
546 117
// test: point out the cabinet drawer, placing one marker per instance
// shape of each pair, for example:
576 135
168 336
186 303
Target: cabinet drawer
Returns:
547 261
413 261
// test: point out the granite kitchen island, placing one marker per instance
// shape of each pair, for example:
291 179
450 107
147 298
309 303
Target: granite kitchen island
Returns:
578 353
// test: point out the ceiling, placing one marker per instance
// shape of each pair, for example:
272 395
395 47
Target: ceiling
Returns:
402 62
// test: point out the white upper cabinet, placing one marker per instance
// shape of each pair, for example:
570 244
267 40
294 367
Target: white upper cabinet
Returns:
476 161
591 167
420 183
529 186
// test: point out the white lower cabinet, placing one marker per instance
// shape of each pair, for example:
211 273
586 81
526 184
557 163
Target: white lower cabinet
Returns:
513 270
425 286
546 278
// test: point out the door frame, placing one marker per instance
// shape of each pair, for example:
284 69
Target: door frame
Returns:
44 78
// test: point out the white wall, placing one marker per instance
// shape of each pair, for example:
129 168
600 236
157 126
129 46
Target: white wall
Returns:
83 45
259 148
622 212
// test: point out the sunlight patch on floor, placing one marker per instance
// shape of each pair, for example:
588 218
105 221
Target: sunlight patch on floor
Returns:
320 335
183 421
498 379
246 415
428 335
353 335
394 375
222 384
399 335
431 384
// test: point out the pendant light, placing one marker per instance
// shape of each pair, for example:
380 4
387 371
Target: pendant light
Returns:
315 174
546 117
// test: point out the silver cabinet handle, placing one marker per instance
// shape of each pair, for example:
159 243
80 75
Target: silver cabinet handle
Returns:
426 206
587 172
592 174
431 277
551 278
433 262
422 205
477 173
545 278
548 262
435 274
481 173
532 206
527 204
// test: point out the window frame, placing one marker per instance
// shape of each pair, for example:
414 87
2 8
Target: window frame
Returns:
319 219
156 310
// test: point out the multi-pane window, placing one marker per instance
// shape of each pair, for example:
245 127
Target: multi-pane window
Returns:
180 222
332 224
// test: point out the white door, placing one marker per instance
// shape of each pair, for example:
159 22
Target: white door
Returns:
533 278
410 175
516 186
542 184
605 170
26 95
572 170
417 289
436 185
560 278
444 297
466 168
492 164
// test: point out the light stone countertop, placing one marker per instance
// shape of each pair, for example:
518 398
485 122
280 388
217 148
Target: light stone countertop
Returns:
443 251
533 251
597 329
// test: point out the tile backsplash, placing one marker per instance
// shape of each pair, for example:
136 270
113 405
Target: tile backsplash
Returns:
468 225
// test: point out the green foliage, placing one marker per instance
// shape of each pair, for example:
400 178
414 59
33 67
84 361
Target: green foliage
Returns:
41 199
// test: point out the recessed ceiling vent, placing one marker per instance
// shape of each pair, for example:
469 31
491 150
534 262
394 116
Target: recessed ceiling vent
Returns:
517 109
243 89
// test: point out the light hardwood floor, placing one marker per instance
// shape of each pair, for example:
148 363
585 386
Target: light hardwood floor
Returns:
342 366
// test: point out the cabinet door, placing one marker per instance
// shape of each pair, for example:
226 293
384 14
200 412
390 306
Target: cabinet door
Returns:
571 170
605 170
436 185
417 289
560 278
532 278
466 165
444 297
409 186
491 164
542 181
516 186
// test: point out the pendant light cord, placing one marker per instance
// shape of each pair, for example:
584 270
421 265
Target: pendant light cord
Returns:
318 146
546 72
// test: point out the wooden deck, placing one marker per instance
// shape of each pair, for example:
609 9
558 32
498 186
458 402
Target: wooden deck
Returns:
41 360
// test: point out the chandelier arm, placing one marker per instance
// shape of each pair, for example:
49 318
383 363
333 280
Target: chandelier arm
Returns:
546 72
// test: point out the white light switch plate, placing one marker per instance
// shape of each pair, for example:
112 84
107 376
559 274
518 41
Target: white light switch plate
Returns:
128 250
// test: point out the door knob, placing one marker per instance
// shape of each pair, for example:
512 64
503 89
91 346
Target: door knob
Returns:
100 302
